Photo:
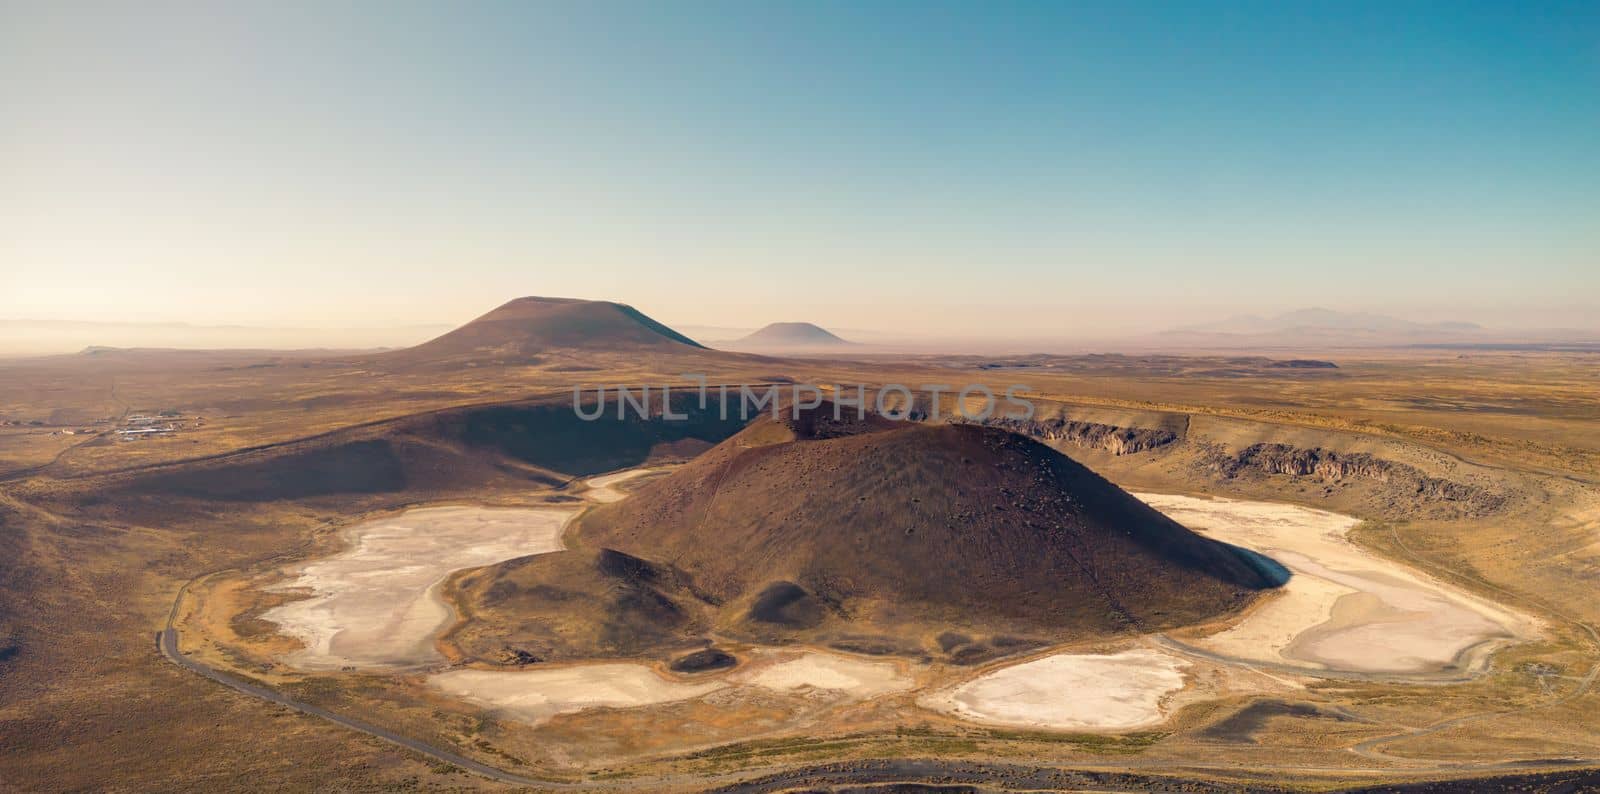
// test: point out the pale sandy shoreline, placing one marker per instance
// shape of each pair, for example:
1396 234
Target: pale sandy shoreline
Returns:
603 489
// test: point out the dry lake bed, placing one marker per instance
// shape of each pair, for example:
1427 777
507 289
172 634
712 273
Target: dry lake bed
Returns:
376 605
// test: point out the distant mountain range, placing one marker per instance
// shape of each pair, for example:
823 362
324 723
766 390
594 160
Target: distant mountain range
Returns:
1326 326
524 328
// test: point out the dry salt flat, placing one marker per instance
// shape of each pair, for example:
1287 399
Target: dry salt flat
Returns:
859 678
1343 609
537 695
1071 691
377 604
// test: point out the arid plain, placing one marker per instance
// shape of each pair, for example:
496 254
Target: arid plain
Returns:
429 543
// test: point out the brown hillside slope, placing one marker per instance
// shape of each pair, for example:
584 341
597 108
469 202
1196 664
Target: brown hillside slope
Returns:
578 605
958 520
883 535
450 451
528 326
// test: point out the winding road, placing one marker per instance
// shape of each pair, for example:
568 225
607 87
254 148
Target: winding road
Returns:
167 641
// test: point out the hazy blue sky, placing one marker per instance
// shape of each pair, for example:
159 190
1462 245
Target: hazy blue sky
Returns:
1031 166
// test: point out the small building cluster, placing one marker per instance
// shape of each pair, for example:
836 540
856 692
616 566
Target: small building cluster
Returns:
140 426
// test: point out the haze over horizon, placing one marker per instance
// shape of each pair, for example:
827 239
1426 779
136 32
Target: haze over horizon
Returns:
965 330
922 169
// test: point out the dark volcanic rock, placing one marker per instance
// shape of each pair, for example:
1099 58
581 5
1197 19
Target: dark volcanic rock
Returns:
893 529
519 657
870 536
786 604
703 661
1113 439
1329 466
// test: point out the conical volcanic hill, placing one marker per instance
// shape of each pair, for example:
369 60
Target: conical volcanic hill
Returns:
528 326
882 535
792 335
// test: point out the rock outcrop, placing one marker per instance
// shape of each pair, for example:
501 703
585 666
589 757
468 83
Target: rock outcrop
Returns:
1091 435
1328 466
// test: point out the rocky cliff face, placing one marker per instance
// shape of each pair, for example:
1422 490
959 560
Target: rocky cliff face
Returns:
1390 482
1113 439
1329 466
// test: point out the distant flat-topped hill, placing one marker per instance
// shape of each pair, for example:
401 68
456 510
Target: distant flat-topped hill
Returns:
864 535
529 326
791 335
